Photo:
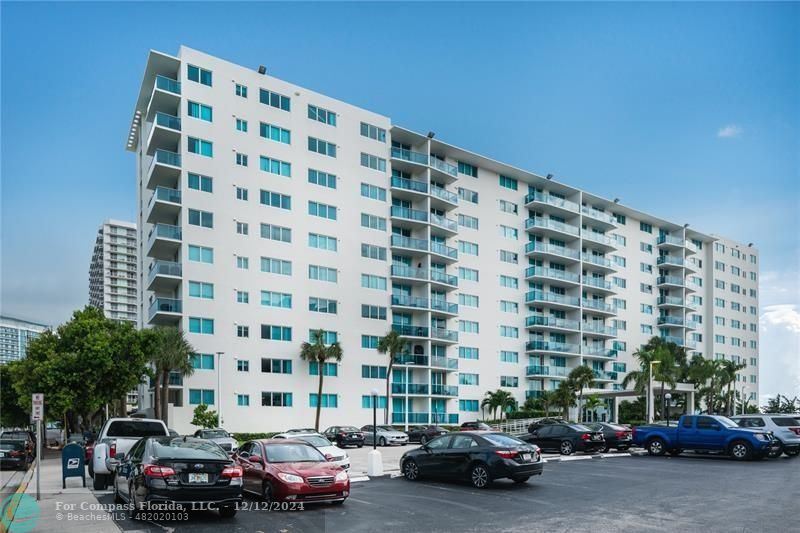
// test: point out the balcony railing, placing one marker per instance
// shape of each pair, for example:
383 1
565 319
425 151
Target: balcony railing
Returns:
408 242
551 200
444 222
444 194
669 239
444 334
670 260
598 237
168 84
444 306
598 352
165 231
597 260
599 305
164 268
409 185
599 328
407 330
411 359
409 301
404 271
536 370
444 166
444 390
533 393
168 121
670 280
598 215
441 277
409 155
441 249
409 388
548 346
541 247
542 296
165 305
599 283
673 339
604 374
408 213
450 363
551 322
670 300
670 321
545 272
166 157
541 222
165 194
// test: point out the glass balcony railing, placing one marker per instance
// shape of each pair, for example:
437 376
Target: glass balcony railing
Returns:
408 330
444 194
441 277
444 390
408 213
597 214
535 370
168 121
540 247
168 84
444 418
409 388
597 260
444 306
553 273
551 200
444 334
165 231
165 194
165 157
599 305
408 242
669 239
548 346
409 185
450 363
444 222
533 393
444 166
409 155
599 283
598 237
670 260
411 359
398 388
404 271
543 296
551 322
598 351
165 305
409 301
670 321
670 300
541 222
670 280
164 268
605 375
441 249
673 339
591 327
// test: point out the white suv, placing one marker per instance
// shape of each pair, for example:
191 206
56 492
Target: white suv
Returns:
332 453
785 428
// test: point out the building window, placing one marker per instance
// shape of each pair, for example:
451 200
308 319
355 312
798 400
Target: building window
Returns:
373 132
466 221
509 282
509 331
644 267
465 378
373 162
509 357
241 159
202 361
466 168
509 183
242 297
200 75
276 233
370 341
373 372
328 400
509 381
199 289
322 305
278 101
241 194
321 115
275 166
201 396
241 90
508 207
321 273
470 406
647 329
369 281
243 400
242 228
466 352
201 183
274 199
509 307
276 299
468 300
243 331
201 147
323 242
201 218
276 366
370 251
646 288
374 312
321 210
321 147
468 274
242 365
620 218
647 309
275 133
468 248
645 227
619 261
201 254
467 195
203 326
276 333
201 111
276 399
646 248
509 257
508 232
323 179
328 369
468 326
373 192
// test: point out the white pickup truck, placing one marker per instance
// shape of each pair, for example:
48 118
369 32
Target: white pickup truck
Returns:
117 436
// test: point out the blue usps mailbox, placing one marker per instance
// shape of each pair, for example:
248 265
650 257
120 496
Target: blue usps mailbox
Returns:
72 463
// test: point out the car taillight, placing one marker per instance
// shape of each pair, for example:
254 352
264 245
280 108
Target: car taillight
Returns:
796 430
158 471
231 471
17 453
112 449
621 434
586 436
506 454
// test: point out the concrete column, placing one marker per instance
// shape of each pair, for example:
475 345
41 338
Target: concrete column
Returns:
690 402
615 401
650 406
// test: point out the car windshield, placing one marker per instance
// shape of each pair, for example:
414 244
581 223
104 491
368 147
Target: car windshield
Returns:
727 422
314 440
15 435
178 448
293 453
10 445
215 434
349 429
135 428
503 440
785 421
385 428
436 428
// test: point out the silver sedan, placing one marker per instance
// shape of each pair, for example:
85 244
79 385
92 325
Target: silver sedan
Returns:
386 436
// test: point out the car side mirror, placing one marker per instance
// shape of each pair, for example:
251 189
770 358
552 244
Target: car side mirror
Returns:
256 459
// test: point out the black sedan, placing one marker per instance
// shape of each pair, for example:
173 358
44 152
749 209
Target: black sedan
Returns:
566 438
193 473
538 424
345 436
474 426
618 437
13 454
423 434
479 457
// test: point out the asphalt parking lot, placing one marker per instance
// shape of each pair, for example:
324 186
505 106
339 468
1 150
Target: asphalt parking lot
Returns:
631 494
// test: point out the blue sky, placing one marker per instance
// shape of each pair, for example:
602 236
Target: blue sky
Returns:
688 111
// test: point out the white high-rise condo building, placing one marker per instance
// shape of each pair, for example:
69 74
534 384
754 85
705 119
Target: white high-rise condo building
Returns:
15 336
112 272
267 210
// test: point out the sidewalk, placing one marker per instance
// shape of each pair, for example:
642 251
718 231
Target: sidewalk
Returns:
74 509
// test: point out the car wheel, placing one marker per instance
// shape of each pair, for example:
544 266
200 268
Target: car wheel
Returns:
776 452
792 453
381 442
479 476
656 446
605 449
520 480
266 492
423 440
566 448
411 470
99 482
229 511
359 445
741 450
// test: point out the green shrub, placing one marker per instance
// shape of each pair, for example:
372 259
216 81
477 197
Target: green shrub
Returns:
244 437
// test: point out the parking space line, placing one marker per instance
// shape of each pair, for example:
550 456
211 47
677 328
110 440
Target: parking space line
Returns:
359 478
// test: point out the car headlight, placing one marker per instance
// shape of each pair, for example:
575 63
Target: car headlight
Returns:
290 478
341 476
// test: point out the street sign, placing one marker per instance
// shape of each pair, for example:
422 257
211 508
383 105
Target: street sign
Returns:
37 406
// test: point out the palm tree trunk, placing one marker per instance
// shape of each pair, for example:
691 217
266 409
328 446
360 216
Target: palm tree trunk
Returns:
165 397
157 396
661 400
319 395
580 402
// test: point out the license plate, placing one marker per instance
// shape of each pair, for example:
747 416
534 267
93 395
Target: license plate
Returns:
2 454
198 478
595 437
526 457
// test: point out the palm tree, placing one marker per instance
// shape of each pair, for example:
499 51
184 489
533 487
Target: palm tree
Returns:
488 403
505 402
393 344
672 360
727 378
172 354
593 403
564 397
581 377
546 397
317 352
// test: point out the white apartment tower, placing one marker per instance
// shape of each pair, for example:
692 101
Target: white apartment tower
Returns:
267 211
112 271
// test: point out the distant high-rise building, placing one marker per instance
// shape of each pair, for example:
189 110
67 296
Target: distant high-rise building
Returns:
15 335
112 273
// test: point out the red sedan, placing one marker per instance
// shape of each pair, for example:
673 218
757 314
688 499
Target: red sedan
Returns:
291 471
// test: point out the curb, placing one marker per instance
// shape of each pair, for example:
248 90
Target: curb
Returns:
11 510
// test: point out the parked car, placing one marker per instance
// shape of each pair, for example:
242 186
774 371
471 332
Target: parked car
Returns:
533 426
615 436
566 439
301 430
785 428
291 470
385 435
27 437
479 457
13 454
116 437
53 434
220 436
706 433
332 453
177 470
474 426
173 433
345 436
423 434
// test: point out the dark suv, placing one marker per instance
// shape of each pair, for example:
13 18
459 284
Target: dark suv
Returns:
345 436
423 434
566 439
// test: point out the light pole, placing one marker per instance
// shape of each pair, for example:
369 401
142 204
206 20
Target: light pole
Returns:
650 392
667 401
374 461
219 388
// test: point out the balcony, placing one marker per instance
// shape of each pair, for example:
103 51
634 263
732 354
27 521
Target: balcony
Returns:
413 217
409 155
407 330
599 261
163 241
550 274
451 171
165 311
672 302
604 375
547 226
548 346
448 253
445 335
165 132
448 363
407 272
598 283
166 95
543 322
546 371
449 225
670 260
543 249
165 169
411 359
444 195
673 339
412 418
533 393
404 184
598 306
164 276
556 300
599 240
593 351
443 306
599 330
408 243
402 300
442 278
671 321
669 241
540 199
444 390
598 216
410 388
164 205
674 281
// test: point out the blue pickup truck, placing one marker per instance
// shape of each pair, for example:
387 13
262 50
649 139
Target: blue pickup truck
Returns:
706 433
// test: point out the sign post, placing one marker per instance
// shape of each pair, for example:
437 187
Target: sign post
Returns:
37 412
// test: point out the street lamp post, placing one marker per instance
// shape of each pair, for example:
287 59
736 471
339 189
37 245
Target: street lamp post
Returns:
667 401
650 392
219 388
374 460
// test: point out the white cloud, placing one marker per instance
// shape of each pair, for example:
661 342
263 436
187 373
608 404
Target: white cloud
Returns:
779 353
729 131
